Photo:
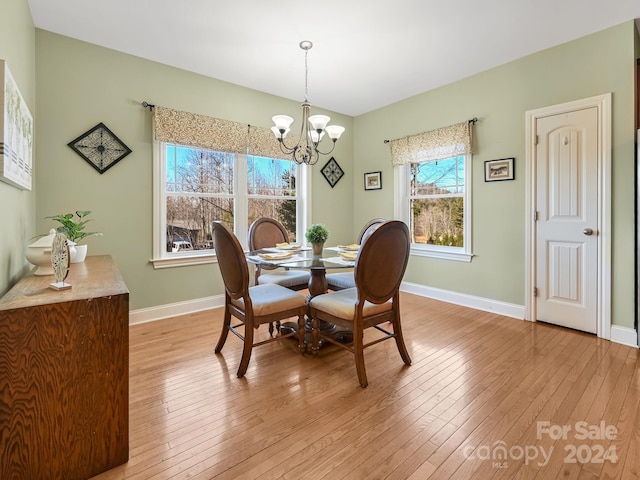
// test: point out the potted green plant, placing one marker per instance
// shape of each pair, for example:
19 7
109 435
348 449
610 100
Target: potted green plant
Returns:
316 235
75 231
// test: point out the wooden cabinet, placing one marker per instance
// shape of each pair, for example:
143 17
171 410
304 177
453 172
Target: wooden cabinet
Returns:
64 374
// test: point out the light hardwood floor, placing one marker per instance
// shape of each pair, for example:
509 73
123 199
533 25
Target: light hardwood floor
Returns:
480 386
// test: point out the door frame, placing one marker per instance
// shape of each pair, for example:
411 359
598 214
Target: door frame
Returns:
603 105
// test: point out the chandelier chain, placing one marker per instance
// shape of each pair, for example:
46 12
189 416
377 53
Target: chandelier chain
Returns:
306 76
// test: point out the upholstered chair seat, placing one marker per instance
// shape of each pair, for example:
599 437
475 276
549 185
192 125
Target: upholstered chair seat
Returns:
270 299
342 304
293 279
340 281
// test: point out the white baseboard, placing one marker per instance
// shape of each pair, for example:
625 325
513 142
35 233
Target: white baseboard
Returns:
151 314
624 335
462 299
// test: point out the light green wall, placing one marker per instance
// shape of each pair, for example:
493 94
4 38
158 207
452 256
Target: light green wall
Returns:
593 65
80 85
637 38
17 211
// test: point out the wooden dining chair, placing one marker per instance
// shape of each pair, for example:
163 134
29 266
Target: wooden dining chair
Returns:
340 281
379 268
267 232
252 306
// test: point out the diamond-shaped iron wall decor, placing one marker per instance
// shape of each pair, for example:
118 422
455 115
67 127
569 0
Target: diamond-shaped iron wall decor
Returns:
100 148
332 172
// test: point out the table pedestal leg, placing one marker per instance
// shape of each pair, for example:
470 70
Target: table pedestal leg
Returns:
317 283
317 286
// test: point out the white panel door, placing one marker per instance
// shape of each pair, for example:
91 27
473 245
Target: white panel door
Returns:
566 226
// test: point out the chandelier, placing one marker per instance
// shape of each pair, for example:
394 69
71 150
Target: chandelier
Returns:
312 130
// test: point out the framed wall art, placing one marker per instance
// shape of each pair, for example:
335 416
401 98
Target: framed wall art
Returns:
332 172
496 170
100 148
373 181
16 133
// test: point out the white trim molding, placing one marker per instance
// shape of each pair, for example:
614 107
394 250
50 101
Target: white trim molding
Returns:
624 335
443 254
151 314
465 300
183 261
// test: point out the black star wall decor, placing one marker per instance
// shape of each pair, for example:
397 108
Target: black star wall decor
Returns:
332 172
100 148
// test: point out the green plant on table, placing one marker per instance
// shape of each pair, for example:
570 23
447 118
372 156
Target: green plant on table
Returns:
74 229
317 233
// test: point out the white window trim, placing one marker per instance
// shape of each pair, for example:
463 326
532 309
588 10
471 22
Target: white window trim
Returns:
160 258
304 177
401 212
241 206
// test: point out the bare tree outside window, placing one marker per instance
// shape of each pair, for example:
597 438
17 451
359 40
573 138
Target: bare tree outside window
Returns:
271 186
199 190
436 202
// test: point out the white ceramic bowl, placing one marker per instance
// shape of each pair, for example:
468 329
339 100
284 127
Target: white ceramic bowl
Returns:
39 253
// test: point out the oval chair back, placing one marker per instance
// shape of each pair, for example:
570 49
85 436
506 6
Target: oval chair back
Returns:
343 280
231 260
382 261
369 227
266 232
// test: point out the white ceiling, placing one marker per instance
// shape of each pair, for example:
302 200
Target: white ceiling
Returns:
366 54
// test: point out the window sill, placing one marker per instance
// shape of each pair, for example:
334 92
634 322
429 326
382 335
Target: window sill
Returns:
444 254
183 260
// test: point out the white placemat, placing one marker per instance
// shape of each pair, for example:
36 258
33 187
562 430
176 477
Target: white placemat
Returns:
338 249
276 249
340 261
293 258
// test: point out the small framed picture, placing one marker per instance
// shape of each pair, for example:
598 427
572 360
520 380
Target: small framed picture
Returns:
496 170
373 181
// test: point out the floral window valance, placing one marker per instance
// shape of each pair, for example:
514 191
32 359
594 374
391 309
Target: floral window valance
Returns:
212 133
445 142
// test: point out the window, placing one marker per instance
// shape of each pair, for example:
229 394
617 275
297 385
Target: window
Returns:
198 187
433 203
432 192
203 174
198 190
271 192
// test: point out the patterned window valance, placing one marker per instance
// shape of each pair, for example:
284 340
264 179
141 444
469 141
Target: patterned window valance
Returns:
445 142
263 143
212 133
